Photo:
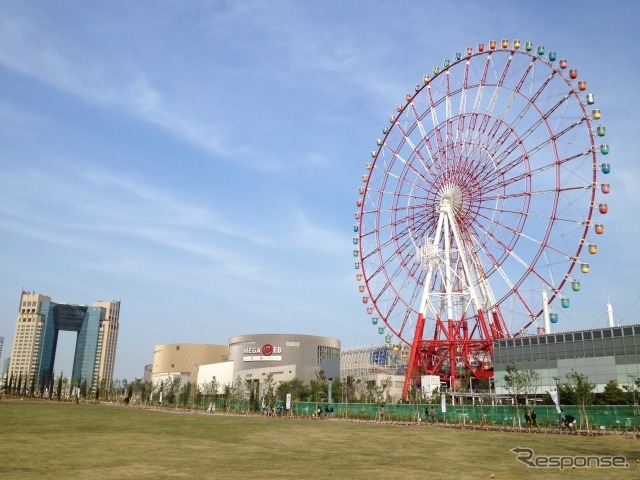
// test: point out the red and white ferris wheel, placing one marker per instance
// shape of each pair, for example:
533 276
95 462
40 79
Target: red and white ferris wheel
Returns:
480 206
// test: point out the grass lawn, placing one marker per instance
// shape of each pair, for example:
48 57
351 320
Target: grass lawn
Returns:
51 440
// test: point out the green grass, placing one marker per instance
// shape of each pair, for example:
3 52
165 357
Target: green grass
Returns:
56 440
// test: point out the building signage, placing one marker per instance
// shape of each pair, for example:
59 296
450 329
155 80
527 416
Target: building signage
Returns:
262 354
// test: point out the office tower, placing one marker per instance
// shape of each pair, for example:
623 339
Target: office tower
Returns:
36 337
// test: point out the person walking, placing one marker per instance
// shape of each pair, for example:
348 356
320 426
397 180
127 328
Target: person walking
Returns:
534 417
432 415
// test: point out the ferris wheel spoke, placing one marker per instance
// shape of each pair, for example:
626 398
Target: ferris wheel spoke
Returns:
424 137
426 168
434 118
527 267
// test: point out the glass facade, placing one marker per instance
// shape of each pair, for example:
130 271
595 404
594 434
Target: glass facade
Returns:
86 358
602 355
76 318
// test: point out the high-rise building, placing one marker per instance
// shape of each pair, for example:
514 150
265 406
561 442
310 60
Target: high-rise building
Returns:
36 337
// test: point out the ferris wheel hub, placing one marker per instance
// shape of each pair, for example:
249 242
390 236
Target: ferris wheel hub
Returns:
452 198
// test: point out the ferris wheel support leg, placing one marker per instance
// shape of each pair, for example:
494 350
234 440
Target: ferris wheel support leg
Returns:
412 367
452 356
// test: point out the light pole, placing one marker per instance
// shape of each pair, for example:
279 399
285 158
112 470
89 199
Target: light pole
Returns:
633 391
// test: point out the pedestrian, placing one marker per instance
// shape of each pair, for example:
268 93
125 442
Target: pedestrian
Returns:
527 418
210 407
534 417
432 415
569 421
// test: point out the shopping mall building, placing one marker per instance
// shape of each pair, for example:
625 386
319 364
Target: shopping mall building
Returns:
249 357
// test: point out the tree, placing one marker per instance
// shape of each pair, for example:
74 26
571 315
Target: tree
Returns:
59 389
583 391
51 381
9 388
295 387
228 395
268 390
520 382
349 390
211 388
319 387
613 394
238 392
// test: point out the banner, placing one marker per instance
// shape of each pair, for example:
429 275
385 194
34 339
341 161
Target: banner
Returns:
554 397
443 403
288 401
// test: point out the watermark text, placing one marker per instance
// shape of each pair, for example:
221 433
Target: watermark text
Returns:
528 457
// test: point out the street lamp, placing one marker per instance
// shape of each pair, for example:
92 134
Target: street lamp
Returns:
633 391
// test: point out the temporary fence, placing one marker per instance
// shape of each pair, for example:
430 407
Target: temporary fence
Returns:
599 416
604 417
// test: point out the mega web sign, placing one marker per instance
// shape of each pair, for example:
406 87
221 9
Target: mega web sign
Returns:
266 353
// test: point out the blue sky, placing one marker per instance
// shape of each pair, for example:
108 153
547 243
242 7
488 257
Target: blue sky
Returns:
200 161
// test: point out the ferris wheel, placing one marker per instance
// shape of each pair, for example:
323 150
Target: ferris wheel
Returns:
480 206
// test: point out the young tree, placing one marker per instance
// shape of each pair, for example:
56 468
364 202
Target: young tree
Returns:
9 387
211 388
238 392
520 383
319 387
583 391
59 389
228 395
51 381
268 390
